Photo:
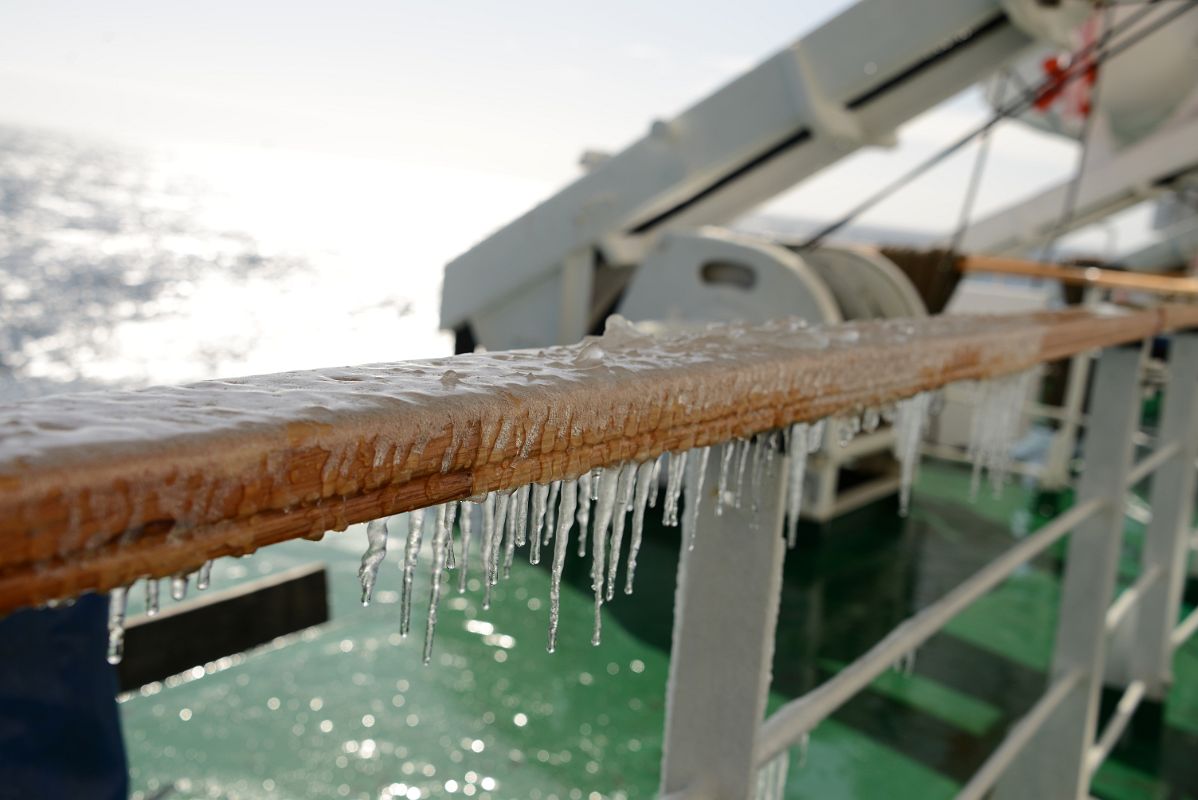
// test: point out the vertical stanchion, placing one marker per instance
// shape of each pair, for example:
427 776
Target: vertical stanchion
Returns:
1167 543
725 614
1053 765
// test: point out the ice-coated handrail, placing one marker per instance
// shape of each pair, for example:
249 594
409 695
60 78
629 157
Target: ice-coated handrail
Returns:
100 489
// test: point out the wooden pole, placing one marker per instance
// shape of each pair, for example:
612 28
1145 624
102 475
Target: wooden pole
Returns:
99 489
1082 276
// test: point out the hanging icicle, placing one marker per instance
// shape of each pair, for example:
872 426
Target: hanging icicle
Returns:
376 551
694 493
565 516
997 416
117 600
411 554
794 482
909 424
440 541
204 576
467 524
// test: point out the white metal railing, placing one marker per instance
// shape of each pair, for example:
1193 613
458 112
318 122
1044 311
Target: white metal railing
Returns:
1054 749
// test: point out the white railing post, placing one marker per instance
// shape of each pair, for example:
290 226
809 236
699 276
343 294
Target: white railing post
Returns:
1054 764
725 614
1150 655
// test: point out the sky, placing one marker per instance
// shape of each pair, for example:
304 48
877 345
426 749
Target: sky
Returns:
511 90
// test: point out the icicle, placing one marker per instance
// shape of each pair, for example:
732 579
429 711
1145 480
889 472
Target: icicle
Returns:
522 515
565 517
376 551
467 523
609 484
440 539
743 459
624 492
540 494
998 412
726 451
870 420
646 486
411 554
655 480
804 746
771 779
584 511
151 596
555 489
815 435
677 469
847 429
451 514
117 599
204 576
760 444
694 495
484 555
491 559
798 470
517 515
178 587
771 447
909 424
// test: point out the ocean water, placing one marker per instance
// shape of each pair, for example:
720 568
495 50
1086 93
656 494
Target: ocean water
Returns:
128 265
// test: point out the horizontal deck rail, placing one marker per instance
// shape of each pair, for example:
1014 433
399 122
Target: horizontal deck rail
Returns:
798 717
99 489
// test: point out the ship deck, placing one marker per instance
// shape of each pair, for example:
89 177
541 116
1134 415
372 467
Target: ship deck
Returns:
347 710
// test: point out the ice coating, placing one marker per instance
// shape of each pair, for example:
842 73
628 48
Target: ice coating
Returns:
178 587
996 419
376 551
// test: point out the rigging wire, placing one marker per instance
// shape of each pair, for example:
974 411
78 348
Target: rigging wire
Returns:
975 181
1073 190
1019 105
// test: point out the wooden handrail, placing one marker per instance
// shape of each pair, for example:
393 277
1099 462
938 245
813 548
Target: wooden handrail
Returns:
1082 276
99 489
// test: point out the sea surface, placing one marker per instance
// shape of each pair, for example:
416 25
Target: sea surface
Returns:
129 266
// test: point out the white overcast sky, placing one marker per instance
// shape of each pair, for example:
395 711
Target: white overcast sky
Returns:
515 90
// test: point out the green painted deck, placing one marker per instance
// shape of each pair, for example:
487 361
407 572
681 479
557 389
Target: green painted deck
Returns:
348 711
